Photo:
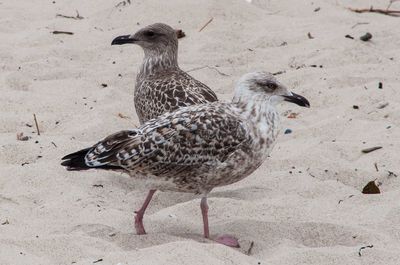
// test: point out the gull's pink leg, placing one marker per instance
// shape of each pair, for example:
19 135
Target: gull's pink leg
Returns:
139 214
225 239
204 212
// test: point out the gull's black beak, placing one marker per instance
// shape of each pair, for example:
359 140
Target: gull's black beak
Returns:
297 99
123 40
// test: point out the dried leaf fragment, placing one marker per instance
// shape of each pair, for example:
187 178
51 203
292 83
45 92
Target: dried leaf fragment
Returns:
371 188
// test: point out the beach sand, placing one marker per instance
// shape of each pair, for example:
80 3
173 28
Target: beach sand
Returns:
302 206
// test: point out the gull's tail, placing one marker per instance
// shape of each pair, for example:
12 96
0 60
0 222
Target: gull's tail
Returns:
76 161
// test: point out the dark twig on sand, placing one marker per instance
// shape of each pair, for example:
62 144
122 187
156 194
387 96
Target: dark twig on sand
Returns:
77 17
36 123
390 3
376 167
361 248
205 25
62 32
369 150
394 13
248 252
340 201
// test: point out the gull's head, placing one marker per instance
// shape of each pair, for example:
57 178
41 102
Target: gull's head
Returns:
263 86
155 38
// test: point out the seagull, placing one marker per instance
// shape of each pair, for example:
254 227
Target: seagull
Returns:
161 86
197 148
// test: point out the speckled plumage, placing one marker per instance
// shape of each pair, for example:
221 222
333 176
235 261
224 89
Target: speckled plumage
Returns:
161 86
167 91
193 149
200 147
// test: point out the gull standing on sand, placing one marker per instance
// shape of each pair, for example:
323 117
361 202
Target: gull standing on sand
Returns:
161 86
197 148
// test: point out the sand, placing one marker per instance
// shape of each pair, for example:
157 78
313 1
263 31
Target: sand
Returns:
303 206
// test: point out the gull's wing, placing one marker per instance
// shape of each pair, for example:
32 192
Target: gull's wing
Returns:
172 144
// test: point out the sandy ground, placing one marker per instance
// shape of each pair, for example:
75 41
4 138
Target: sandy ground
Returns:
303 206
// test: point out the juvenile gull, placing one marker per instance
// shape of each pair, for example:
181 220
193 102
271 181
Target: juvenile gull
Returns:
161 86
197 148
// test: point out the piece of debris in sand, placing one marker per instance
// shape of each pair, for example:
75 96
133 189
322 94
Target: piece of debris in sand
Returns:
361 248
366 37
77 17
288 131
371 149
21 137
62 32
383 105
371 188
122 116
387 11
205 25
180 33
36 123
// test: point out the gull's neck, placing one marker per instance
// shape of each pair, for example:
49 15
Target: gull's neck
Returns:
255 107
262 114
158 61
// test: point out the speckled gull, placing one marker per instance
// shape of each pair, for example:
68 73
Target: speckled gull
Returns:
197 148
161 86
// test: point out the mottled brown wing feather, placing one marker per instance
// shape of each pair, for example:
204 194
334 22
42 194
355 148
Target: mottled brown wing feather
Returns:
167 92
174 143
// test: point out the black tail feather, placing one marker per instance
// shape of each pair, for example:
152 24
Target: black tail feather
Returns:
76 161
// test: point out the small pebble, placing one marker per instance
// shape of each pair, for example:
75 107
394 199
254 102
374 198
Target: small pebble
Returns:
366 37
287 131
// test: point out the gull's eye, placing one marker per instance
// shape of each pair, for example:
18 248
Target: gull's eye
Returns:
267 85
149 33
272 86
